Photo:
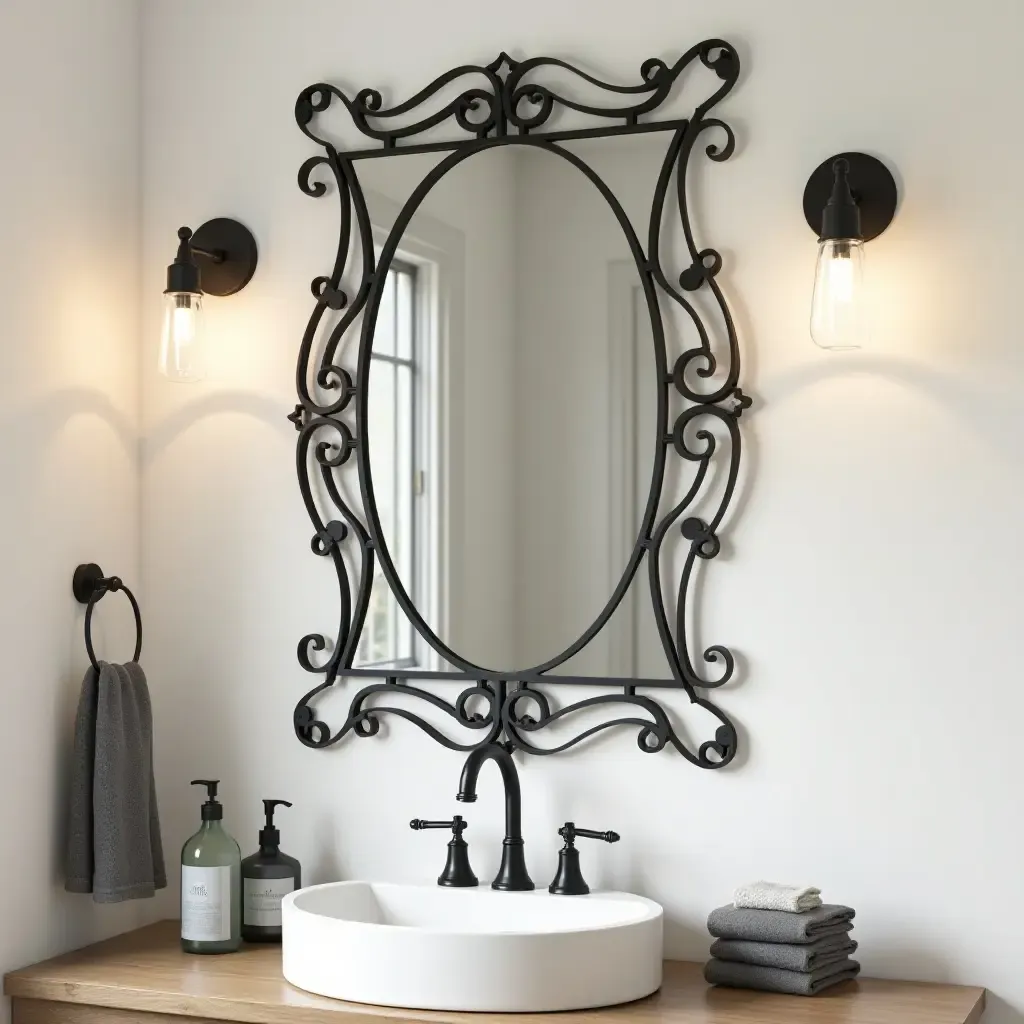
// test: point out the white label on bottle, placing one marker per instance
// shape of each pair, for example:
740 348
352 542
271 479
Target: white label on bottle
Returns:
261 900
205 903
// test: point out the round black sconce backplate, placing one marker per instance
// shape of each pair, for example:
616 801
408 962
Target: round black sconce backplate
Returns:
873 187
235 263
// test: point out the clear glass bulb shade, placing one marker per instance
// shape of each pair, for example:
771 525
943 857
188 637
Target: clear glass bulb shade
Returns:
182 348
837 305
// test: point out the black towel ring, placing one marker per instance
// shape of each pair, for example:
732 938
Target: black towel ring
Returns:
89 585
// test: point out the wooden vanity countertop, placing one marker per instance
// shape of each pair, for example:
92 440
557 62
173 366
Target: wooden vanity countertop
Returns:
145 972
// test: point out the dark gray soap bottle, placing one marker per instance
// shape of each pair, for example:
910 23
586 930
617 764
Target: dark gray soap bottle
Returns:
267 877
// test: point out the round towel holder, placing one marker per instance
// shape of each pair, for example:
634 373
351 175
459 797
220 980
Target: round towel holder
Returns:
89 586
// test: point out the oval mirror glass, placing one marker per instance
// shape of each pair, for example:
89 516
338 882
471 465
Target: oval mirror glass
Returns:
511 403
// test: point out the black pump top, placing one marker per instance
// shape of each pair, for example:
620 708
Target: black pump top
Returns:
270 836
212 810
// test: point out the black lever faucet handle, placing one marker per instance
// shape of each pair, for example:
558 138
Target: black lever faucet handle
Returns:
569 880
458 824
569 832
457 872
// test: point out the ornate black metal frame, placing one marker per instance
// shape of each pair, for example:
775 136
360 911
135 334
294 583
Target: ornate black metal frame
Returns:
506 103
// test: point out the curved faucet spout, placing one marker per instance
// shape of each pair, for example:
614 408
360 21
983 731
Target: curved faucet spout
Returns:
509 777
512 875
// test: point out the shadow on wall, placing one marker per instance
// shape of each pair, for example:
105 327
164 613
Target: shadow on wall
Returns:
912 961
995 422
270 411
328 865
39 422
999 1011
680 934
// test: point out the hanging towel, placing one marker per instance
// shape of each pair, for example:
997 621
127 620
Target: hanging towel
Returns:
114 848
790 957
771 979
774 896
780 926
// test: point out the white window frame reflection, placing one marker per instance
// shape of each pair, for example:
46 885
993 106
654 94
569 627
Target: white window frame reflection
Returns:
405 348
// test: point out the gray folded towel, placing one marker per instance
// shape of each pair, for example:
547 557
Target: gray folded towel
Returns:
114 848
788 956
779 926
772 979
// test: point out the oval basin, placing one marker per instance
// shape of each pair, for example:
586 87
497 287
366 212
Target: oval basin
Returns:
430 948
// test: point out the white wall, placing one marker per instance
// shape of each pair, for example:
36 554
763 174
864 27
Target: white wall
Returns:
69 175
870 582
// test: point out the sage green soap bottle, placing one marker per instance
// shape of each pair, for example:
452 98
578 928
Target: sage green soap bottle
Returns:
211 883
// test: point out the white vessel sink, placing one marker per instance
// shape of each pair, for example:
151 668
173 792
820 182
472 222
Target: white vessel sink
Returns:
431 948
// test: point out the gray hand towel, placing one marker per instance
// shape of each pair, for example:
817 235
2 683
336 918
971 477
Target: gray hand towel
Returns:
771 979
114 848
779 926
788 956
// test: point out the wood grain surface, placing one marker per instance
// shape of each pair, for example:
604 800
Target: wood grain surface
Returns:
142 977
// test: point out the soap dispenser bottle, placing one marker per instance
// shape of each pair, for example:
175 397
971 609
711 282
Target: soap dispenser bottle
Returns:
267 876
211 883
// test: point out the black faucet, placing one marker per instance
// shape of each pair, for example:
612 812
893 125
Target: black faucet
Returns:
512 875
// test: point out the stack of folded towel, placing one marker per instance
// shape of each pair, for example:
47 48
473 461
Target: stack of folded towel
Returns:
781 938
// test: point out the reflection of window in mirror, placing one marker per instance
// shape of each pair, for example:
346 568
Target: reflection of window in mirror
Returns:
402 410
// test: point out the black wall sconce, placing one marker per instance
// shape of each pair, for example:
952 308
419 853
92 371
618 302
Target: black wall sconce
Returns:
849 199
217 259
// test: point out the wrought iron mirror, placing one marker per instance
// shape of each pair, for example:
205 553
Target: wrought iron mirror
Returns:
518 407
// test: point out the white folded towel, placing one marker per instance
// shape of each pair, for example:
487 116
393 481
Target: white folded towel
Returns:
794 899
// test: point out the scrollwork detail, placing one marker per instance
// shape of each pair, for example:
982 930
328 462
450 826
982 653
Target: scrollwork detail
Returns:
364 718
654 733
333 298
712 151
493 103
297 417
309 729
723 745
306 183
740 403
329 538
705 543
311 642
652 736
333 453
509 96
708 263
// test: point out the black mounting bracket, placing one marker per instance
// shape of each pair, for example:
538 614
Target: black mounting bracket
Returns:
88 579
